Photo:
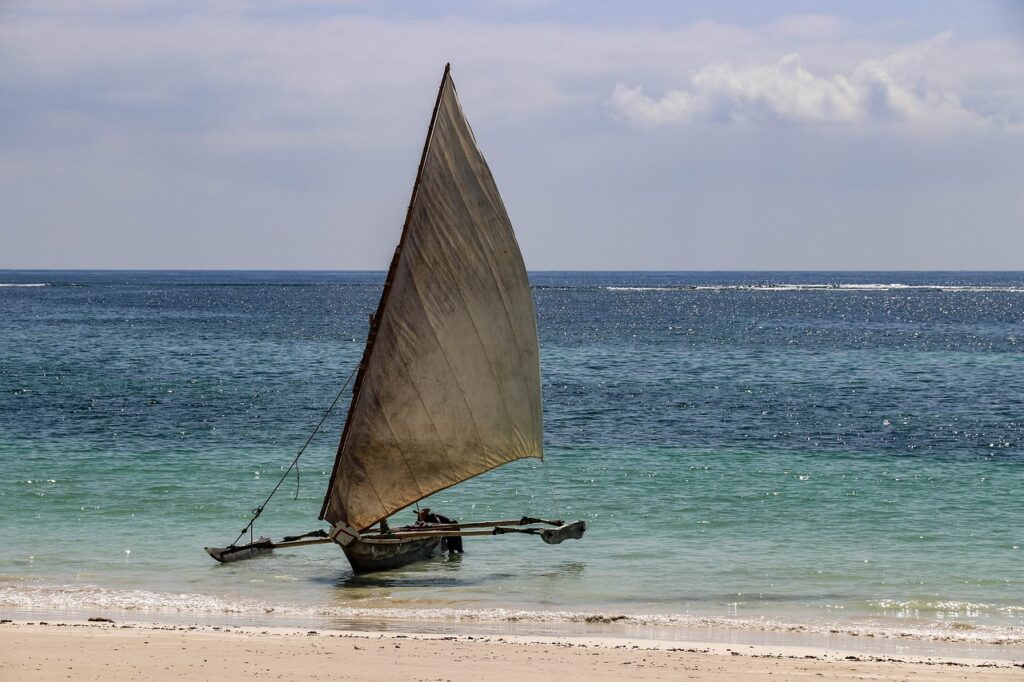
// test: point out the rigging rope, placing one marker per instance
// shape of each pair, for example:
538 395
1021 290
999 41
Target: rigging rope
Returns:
295 463
551 490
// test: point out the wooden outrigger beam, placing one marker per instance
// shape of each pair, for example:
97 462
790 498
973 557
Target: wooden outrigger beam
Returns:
552 536
407 535
299 543
524 521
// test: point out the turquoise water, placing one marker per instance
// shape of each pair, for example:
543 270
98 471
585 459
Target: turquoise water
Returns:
832 451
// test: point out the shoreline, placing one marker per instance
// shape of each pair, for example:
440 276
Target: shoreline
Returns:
44 650
762 635
886 637
34 600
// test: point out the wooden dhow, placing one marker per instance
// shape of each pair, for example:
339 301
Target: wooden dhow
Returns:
449 385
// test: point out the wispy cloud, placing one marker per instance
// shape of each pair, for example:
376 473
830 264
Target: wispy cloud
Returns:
893 90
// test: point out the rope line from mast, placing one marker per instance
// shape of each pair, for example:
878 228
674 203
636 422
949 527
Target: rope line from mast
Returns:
256 511
551 489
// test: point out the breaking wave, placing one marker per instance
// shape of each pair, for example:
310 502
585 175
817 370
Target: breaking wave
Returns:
91 599
974 288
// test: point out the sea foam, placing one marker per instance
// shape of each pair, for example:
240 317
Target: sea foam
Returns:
37 597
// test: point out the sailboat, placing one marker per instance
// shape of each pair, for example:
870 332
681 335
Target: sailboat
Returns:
448 386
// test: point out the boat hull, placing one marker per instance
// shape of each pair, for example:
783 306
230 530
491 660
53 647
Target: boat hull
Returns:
366 557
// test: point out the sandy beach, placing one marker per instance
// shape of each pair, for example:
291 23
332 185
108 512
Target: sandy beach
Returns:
49 650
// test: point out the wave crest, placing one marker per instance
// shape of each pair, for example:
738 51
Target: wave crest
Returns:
78 598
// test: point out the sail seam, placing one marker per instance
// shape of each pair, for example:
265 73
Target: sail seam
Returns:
405 459
426 411
490 362
379 500
479 337
451 369
476 428
481 235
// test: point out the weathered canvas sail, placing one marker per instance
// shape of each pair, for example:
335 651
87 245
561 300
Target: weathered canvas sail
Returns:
449 386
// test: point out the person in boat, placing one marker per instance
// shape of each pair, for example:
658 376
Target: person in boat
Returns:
453 544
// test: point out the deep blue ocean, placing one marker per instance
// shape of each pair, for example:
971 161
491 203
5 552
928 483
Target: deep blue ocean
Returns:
830 450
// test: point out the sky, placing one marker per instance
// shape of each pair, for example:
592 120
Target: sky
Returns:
245 134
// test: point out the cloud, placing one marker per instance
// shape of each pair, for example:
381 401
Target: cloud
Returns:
890 91
212 134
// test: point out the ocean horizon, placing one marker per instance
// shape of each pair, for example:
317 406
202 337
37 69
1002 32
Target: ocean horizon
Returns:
755 452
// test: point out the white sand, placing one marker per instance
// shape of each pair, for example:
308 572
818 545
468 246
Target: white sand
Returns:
113 651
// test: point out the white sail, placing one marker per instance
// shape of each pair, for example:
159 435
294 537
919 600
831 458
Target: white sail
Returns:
449 386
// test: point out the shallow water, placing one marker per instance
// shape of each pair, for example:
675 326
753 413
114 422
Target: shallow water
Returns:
829 450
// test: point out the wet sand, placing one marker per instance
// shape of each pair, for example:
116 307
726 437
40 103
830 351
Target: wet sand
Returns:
49 650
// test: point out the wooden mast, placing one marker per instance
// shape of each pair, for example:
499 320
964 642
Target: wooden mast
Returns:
372 335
